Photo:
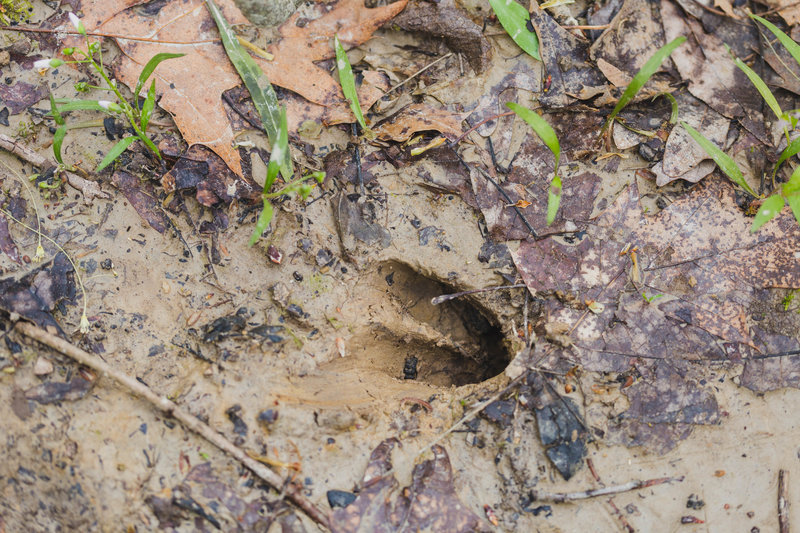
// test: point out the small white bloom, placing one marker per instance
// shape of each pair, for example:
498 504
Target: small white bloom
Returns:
105 104
84 325
42 65
74 19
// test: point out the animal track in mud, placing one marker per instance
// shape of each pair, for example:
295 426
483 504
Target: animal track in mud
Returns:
455 343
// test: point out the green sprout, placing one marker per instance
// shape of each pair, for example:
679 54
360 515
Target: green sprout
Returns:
515 20
641 78
261 91
651 299
790 191
297 186
550 139
348 84
13 11
138 117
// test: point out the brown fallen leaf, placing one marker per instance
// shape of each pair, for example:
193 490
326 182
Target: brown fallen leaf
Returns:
790 13
529 180
190 87
416 118
712 75
430 503
699 254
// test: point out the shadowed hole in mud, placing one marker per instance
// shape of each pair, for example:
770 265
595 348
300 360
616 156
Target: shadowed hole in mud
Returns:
455 343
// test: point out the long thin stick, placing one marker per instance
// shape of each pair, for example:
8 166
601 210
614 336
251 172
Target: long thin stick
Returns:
453 296
561 497
783 501
417 73
101 34
172 409
89 189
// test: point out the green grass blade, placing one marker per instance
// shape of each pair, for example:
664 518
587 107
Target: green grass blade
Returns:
541 127
514 18
58 140
794 203
759 84
148 106
264 98
78 105
673 116
785 40
148 69
279 149
54 111
789 151
771 207
115 152
348 82
793 185
723 161
262 223
553 199
644 74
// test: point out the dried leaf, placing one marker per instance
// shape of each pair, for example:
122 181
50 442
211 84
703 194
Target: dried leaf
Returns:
699 254
190 88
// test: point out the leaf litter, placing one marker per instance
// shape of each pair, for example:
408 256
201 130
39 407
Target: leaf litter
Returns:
650 306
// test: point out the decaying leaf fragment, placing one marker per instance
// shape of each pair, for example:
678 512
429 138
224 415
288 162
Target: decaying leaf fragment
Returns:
709 282
191 88
430 503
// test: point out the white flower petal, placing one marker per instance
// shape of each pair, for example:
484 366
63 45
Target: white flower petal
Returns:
73 18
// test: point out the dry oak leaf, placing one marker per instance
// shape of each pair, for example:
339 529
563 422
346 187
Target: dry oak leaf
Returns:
698 253
419 117
190 87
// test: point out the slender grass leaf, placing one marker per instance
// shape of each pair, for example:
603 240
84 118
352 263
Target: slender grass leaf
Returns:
553 199
541 127
723 160
148 106
771 207
148 69
153 148
644 74
280 147
79 105
264 98
348 82
115 152
673 116
785 40
54 111
759 84
58 140
789 151
263 222
515 19
793 185
794 203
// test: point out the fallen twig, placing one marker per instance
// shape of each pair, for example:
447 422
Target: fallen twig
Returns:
453 296
89 189
783 501
561 497
170 408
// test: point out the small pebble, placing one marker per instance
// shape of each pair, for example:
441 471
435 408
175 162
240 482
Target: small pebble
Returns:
42 367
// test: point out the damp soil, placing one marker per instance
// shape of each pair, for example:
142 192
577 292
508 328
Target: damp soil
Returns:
339 348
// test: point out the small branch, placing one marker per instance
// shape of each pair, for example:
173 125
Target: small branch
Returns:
499 189
453 296
171 409
100 34
89 189
561 497
587 27
783 501
417 73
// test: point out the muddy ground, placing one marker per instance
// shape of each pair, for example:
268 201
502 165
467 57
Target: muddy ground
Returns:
311 375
